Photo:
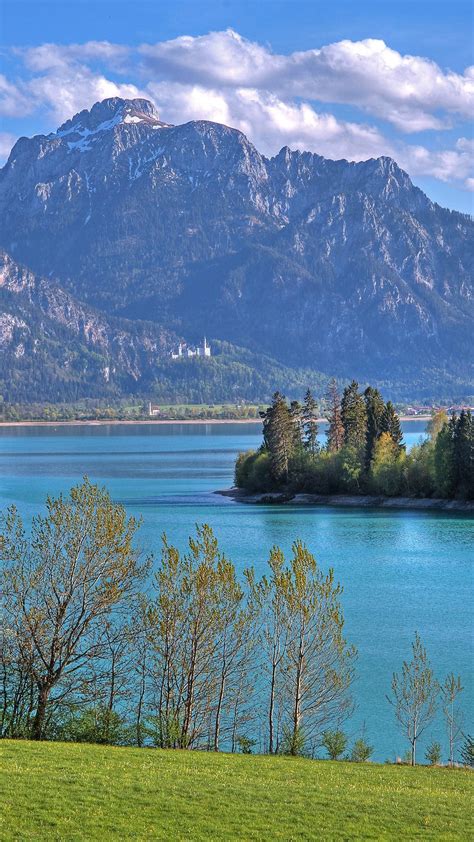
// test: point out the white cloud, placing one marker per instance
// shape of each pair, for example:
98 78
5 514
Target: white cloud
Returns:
49 56
14 101
7 141
408 91
67 90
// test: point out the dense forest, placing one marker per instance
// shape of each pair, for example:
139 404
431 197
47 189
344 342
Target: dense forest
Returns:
364 452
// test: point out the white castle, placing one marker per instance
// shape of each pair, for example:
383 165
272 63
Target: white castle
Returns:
184 350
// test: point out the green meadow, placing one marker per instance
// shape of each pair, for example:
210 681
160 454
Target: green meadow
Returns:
64 791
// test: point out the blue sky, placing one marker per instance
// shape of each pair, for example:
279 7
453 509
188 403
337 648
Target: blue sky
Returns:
344 79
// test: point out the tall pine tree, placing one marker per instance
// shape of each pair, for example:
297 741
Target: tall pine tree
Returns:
296 414
354 417
375 406
390 423
335 432
279 436
464 455
444 459
310 424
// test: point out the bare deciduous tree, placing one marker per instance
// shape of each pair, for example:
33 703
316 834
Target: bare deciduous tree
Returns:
319 666
415 695
450 691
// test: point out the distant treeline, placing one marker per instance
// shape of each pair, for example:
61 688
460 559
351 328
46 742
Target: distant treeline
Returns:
364 451
93 649
122 410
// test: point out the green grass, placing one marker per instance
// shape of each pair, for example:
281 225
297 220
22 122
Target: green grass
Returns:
58 791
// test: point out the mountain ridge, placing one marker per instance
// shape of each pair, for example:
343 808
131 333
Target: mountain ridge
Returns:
340 267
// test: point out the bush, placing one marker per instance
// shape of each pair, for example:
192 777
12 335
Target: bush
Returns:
361 751
433 754
292 743
245 744
253 471
335 743
94 725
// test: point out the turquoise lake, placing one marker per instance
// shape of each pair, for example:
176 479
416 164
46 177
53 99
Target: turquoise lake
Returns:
401 571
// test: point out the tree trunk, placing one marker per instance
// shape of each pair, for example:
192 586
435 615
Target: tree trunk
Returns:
38 722
218 714
297 705
413 753
271 710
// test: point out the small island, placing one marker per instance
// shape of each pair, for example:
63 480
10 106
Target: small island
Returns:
364 461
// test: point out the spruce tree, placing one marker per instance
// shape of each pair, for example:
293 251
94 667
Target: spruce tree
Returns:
464 455
444 459
375 406
279 436
296 414
467 750
354 417
390 423
335 432
310 424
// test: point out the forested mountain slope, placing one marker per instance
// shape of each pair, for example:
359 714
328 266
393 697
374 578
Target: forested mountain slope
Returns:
345 268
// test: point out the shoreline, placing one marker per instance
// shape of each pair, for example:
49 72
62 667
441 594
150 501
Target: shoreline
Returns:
128 422
102 422
353 501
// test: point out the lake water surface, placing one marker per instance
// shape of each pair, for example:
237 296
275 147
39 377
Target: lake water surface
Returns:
401 571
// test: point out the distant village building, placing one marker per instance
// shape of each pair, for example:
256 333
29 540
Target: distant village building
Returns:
184 350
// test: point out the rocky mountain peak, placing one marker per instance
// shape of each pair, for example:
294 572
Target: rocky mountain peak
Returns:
109 113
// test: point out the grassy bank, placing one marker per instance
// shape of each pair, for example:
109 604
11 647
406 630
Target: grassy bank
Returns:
54 791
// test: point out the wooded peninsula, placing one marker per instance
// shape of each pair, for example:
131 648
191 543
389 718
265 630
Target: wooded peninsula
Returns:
364 453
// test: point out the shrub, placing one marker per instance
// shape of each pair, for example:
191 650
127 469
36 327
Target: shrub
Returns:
361 751
94 725
433 754
253 471
335 743
292 743
245 744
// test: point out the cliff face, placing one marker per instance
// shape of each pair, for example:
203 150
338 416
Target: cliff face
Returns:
341 267
54 346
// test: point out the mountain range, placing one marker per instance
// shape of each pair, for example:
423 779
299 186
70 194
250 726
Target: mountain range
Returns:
123 235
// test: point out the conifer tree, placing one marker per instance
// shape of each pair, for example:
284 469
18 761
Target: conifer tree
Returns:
390 423
296 415
335 432
279 438
375 406
467 750
464 455
310 424
354 417
445 459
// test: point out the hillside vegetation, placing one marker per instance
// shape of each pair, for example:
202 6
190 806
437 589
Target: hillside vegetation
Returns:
55 791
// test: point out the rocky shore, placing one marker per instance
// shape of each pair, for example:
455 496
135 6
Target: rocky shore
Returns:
350 501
